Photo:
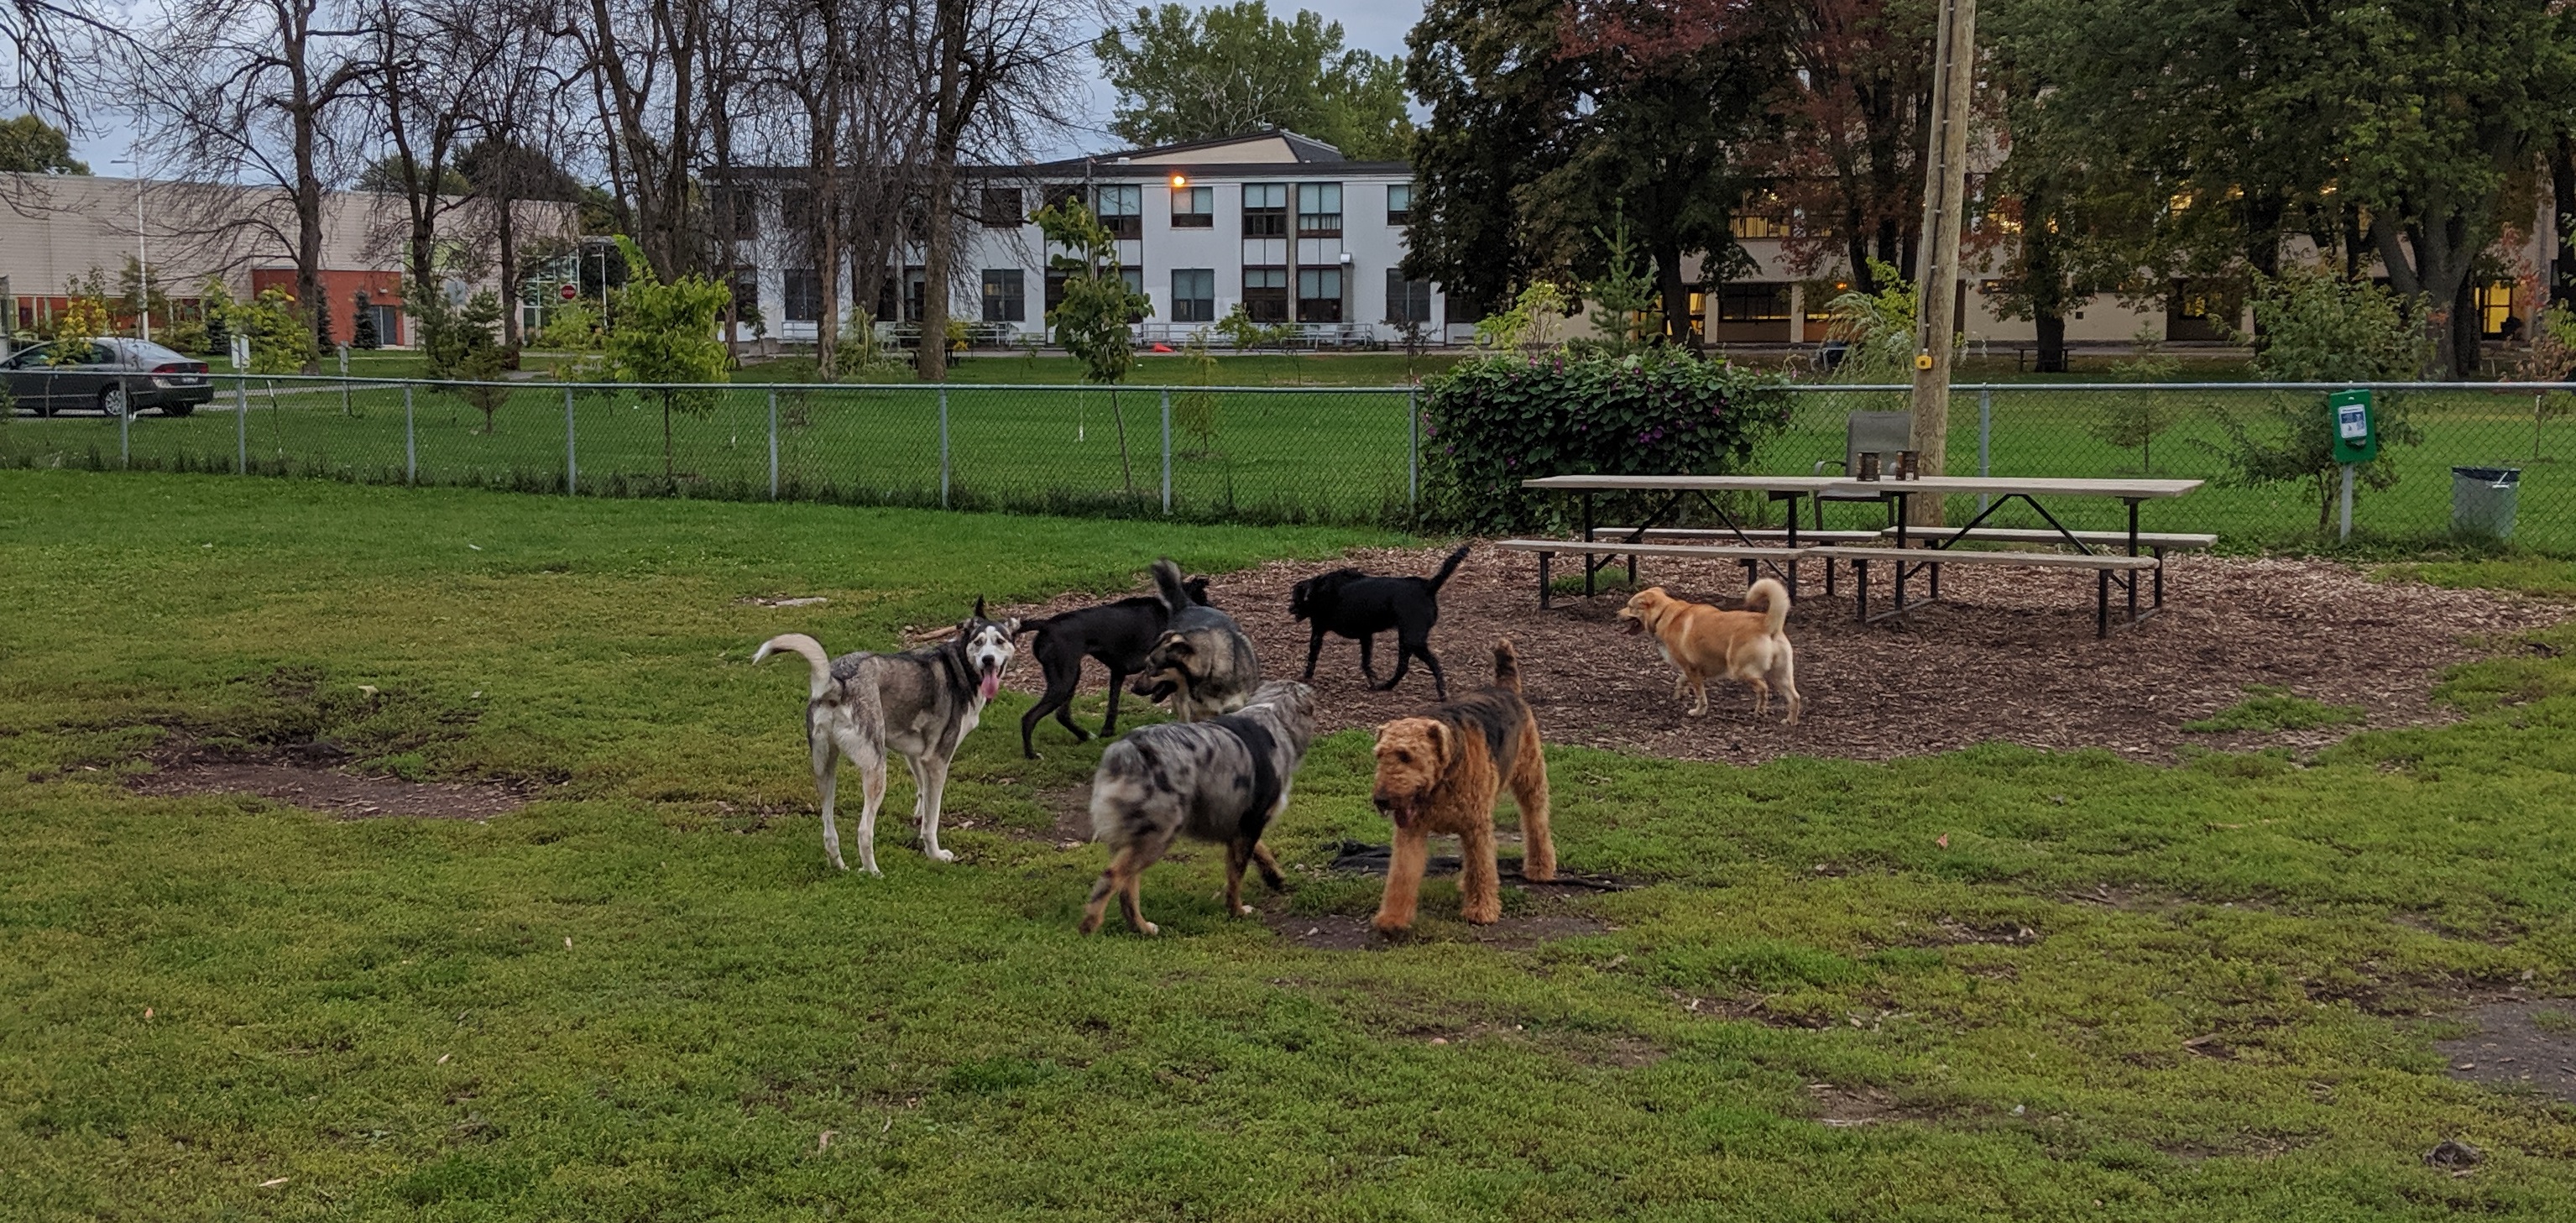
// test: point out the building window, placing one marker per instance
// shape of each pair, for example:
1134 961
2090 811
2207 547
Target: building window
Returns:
1054 290
1002 208
1006 295
804 296
1135 281
1319 295
1407 301
1399 208
738 212
1265 210
912 282
796 209
1751 311
2495 307
1194 295
1122 209
1055 194
746 296
2191 314
1265 294
1319 210
1193 207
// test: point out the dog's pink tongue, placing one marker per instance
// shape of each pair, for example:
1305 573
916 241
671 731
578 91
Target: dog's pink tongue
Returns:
990 684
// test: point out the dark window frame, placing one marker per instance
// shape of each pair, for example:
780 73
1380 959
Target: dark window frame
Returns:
1199 307
1265 220
1395 216
1198 216
1319 223
1265 302
1011 303
1321 307
1002 208
800 296
1407 301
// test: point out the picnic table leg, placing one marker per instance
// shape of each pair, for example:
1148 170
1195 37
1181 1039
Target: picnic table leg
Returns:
1543 558
2133 574
1860 587
1587 538
2160 579
2102 603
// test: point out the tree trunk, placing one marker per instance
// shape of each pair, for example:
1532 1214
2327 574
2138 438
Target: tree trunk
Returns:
948 132
2052 342
1126 470
2562 177
505 226
1676 295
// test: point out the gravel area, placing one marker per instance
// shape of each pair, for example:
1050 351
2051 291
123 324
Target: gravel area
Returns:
2008 656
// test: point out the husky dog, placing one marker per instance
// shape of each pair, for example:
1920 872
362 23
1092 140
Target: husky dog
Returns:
1203 660
918 704
1222 780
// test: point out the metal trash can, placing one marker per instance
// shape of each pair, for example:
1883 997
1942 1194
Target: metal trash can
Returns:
2482 500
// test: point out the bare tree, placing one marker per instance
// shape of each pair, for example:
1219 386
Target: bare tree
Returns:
261 97
997 68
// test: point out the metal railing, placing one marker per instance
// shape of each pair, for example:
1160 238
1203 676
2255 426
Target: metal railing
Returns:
1266 454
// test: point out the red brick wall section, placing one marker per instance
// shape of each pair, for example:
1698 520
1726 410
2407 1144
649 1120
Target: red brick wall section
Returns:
341 289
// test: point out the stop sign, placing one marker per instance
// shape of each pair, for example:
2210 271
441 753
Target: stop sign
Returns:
567 291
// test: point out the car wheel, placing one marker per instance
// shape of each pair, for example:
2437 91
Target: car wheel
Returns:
112 401
177 409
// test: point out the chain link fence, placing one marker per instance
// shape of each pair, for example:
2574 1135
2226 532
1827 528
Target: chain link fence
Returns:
1274 454
1210 454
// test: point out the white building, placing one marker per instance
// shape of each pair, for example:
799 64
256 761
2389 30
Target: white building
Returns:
1284 226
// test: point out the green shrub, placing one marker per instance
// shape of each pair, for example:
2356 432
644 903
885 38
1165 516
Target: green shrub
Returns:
1488 425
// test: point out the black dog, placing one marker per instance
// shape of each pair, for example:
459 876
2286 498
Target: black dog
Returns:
1361 605
1118 634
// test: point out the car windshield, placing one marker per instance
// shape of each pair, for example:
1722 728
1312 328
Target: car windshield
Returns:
145 352
79 352
30 357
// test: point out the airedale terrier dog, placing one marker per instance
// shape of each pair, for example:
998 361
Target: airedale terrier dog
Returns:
1441 772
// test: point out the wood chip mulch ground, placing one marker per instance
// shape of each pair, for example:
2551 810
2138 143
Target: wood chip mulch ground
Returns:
2009 656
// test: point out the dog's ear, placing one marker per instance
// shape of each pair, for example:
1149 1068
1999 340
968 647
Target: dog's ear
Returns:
1011 627
1443 743
979 607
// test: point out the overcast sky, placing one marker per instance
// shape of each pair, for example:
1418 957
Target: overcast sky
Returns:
1375 25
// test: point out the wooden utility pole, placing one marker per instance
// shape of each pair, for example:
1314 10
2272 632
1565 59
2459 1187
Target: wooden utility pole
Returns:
1945 203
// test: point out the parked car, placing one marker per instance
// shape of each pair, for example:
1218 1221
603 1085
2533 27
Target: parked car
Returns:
114 376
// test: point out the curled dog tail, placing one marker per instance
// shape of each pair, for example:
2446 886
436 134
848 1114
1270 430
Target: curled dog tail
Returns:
1168 585
1448 567
1775 603
1507 664
817 662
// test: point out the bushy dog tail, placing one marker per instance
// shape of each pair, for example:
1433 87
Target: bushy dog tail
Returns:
1507 665
1775 603
816 661
1169 587
1448 567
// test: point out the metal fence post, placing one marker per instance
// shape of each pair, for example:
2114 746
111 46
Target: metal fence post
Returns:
241 427
572 454
943 446
1985 435
411 448
1167 450
773 443
1412 450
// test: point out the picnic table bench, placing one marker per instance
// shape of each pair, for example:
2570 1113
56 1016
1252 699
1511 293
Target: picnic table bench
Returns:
1859 549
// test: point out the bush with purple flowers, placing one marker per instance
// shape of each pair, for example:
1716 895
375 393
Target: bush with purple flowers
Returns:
1488 425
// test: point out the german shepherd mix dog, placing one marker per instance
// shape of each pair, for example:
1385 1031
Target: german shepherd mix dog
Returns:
1708 643
1221 780
918 704
1118 634
1349 603
1441 773
1203 660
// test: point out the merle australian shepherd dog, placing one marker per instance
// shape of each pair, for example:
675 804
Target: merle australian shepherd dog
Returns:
1349 603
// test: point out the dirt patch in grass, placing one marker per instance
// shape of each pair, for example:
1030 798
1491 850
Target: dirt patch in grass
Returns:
1069 825
305 779
1846 1107
2520 1044
2008 656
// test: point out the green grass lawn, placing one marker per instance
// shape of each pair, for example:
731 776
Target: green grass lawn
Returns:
2083 988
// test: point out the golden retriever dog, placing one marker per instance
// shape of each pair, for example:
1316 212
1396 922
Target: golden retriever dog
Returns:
1441 773
1705 643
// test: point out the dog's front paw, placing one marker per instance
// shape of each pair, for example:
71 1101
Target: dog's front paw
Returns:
1695 713
1148 929
1243 910
1482 916
941 855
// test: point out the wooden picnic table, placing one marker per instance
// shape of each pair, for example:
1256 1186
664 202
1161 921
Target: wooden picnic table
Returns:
1897 494
1679 489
